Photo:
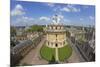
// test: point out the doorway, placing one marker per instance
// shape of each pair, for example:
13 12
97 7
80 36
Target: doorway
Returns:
56 45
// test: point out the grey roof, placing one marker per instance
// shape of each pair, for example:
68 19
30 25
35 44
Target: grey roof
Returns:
21 45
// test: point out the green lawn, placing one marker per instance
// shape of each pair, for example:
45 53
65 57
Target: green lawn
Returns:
64 52
47 53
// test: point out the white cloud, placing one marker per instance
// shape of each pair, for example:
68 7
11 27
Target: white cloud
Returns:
91 18
27 19
61 16
57 8
23 20
18 10
81 19
70 8
50 4
44 18
67 20
65 9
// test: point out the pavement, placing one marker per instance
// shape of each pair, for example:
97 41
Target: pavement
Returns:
76 57
33 57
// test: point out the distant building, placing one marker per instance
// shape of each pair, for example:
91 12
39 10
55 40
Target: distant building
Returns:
21 37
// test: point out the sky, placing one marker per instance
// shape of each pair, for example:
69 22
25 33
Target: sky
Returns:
29 13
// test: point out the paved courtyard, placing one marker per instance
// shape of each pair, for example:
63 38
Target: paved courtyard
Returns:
33 57
76 56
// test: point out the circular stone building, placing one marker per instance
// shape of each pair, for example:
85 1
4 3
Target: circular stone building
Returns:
55 34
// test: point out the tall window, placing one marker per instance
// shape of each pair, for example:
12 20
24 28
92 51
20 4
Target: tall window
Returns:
56 37
48 43
56 45
63 42
56 28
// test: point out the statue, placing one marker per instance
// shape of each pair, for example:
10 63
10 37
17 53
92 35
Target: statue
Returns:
56 19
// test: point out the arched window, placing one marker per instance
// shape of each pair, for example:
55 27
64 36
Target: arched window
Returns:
56 45
51 27
56 28
63 42
48 43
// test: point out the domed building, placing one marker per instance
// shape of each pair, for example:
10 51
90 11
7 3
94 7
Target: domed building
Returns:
55 34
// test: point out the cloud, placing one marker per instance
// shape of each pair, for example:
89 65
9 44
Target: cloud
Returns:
60 16
81 19
56 8
27 19
67 20
18 10
44 18
50 4
70 8
65 9
91 18
23 21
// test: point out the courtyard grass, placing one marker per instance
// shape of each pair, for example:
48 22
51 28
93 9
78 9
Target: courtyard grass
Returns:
64 52
47 53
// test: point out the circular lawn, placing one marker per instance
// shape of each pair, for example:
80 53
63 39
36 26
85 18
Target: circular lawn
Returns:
47 52
63 53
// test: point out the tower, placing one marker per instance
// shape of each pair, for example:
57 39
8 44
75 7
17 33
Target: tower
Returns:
55 34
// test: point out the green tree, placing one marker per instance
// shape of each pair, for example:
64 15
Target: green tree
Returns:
13 31
35 28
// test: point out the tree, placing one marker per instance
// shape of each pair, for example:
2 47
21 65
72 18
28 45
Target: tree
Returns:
13 31
36 28
67 33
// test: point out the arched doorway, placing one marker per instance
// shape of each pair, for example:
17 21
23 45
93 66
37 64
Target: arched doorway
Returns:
56 45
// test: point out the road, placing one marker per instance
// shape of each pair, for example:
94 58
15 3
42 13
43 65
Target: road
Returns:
33 57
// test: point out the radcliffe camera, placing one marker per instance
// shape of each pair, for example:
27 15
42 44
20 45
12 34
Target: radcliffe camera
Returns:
44 33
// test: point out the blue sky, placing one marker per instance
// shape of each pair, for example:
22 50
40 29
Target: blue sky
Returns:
29 13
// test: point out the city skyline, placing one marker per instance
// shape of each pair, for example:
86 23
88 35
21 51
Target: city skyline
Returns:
29 13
